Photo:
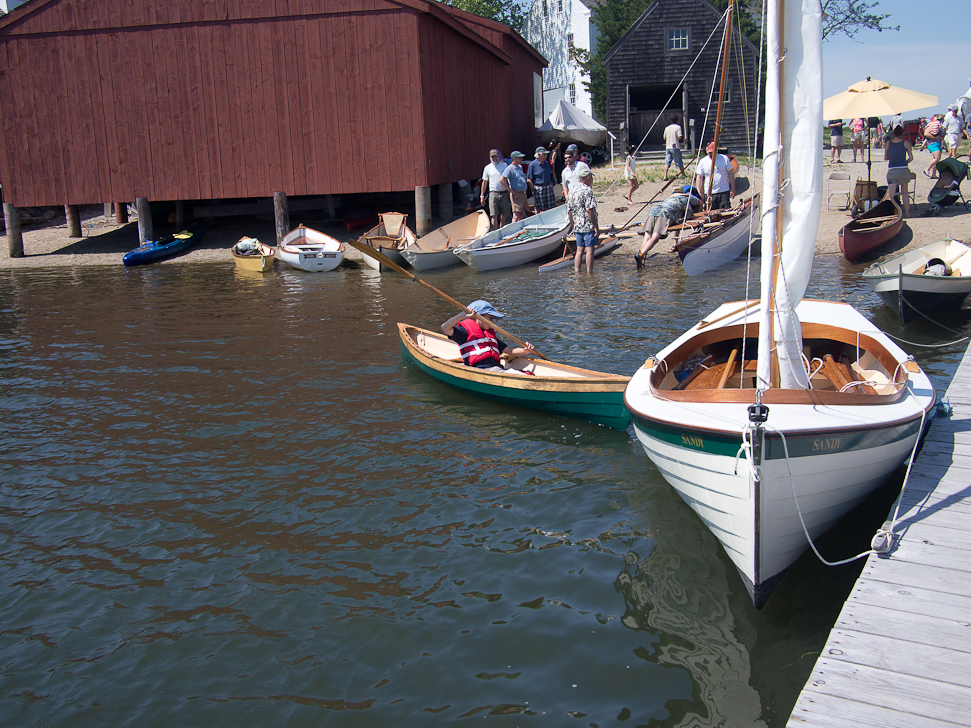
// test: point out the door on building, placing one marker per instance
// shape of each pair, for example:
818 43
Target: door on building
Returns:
648 115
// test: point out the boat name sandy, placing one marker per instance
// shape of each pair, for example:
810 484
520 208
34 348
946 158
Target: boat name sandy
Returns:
826 443
693 441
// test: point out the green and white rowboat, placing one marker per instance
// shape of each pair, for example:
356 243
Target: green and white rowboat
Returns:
556 389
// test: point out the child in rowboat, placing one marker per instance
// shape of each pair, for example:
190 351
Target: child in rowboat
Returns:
478 345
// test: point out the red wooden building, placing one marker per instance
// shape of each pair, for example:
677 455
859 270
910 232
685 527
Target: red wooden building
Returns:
112 100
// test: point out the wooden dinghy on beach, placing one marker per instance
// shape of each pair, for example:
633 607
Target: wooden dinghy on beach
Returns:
389 236
252 255
555 389
906 286
307 249
875 227
435 249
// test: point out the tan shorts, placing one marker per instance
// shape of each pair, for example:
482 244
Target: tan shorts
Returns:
518 200
898 175
657 225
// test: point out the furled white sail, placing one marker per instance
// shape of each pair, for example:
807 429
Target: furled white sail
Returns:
793 175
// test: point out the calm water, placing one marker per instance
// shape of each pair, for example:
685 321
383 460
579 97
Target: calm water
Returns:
224 500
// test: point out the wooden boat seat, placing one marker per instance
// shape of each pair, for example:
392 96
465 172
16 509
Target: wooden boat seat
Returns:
393 223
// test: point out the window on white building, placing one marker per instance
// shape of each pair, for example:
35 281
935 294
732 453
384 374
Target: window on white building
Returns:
560 5
573 94
677 39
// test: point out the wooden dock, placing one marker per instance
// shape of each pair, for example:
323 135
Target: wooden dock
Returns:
900 652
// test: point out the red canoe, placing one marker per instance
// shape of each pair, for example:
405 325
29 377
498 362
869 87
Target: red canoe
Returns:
878 225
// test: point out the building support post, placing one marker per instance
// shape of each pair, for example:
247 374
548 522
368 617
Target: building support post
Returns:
281 215
73 216
423 210
15 239
179 214
109 211
121 213
144 211
331 209
445 202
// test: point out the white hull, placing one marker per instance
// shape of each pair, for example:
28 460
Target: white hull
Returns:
722 246
490 252
836 454
393 255
435 249
309 250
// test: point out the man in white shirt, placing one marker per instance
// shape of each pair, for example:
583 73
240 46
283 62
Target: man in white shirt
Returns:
672 143
722 181
953 128
493 191
571 172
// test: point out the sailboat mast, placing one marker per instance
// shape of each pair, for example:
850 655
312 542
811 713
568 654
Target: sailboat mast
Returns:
771 170
721 92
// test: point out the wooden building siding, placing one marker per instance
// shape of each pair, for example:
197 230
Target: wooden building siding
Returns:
117 99
641 59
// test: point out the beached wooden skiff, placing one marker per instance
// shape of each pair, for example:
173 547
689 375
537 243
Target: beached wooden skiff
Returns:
556 389
875 227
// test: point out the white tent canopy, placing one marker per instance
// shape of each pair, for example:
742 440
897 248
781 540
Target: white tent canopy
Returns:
569 124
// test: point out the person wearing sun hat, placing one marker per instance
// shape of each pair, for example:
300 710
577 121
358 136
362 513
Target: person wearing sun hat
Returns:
953 128
515 181
671 211
540 175
478 344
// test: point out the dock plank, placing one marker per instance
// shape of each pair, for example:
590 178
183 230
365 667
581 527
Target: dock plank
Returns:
900 651
870 686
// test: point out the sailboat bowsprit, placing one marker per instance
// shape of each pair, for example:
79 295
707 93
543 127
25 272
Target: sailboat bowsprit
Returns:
773 418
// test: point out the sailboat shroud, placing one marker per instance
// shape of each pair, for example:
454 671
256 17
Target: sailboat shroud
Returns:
713 238
749 432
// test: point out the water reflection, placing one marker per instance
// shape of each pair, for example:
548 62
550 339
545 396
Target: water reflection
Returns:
225 495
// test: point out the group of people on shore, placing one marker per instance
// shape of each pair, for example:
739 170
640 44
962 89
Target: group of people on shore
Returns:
506 188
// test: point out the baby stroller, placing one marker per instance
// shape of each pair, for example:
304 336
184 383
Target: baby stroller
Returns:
947 191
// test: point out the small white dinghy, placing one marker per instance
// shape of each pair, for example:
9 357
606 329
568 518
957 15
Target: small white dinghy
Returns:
307 249
389 236
907 282
518 242
435 249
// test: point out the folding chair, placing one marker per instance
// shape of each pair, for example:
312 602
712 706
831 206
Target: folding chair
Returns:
839 184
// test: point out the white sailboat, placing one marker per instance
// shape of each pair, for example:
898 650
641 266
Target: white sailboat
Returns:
709 239
773 418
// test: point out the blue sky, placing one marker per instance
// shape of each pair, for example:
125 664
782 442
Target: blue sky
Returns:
930 53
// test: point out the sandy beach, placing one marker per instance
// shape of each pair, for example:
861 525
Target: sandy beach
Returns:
104 242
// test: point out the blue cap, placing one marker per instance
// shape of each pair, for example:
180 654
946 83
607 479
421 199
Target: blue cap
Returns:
485 309
540 150
688 189
573 148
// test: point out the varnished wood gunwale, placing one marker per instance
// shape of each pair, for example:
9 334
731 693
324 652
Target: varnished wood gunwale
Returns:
810 331
586 380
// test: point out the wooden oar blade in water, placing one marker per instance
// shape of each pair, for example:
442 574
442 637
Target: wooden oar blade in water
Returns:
379 256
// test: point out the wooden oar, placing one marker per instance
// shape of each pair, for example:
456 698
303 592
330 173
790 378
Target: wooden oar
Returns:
385 260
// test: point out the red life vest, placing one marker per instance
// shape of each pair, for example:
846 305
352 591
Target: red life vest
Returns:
480 346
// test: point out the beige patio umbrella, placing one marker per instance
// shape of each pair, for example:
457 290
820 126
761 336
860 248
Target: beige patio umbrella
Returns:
874 98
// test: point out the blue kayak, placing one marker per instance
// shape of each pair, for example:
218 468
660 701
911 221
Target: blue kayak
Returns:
164 247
